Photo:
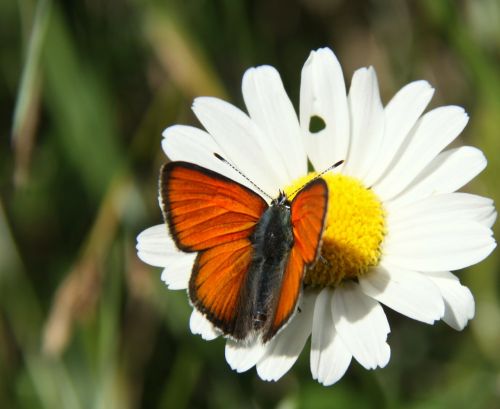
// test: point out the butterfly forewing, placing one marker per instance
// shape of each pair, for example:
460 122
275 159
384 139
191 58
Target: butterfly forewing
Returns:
204 209
308 218
308 211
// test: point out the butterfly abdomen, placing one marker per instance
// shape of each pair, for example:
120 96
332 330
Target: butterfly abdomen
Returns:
272 241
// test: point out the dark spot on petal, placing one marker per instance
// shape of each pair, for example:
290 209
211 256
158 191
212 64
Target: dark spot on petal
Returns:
316 124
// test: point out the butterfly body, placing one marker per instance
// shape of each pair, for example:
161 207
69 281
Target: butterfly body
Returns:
247 276
272 242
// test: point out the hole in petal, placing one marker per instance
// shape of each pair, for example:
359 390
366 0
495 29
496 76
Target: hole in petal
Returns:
316 124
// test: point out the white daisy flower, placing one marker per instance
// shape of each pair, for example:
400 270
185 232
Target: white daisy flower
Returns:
395 227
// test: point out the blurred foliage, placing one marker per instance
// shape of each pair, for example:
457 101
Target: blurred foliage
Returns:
86 89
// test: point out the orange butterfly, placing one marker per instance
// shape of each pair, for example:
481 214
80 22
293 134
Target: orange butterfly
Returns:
247 277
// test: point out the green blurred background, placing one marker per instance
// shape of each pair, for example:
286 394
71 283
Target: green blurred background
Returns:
86 87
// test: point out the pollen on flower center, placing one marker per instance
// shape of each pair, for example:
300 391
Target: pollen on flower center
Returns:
354 230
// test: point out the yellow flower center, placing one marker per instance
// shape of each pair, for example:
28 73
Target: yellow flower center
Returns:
354 230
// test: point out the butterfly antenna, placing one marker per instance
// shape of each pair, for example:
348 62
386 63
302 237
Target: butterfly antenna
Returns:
340 162
242 174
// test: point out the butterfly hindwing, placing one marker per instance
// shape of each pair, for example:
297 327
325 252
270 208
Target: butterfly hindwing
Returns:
308 213
216 282
204 209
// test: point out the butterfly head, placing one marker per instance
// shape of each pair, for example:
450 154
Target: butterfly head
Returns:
281 200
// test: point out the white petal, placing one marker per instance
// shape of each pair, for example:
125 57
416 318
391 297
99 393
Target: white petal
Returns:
329 356
284 349
407 292
439 246
155 246
200 325
450 207
178 271
362 325
270 108
241 356
433 132
242 142
367 124
401 114
459 302
323 94
189 144
489 220
448 172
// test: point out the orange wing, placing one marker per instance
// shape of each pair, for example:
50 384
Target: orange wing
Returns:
204 209
308 219
216 282
215 216
308 211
